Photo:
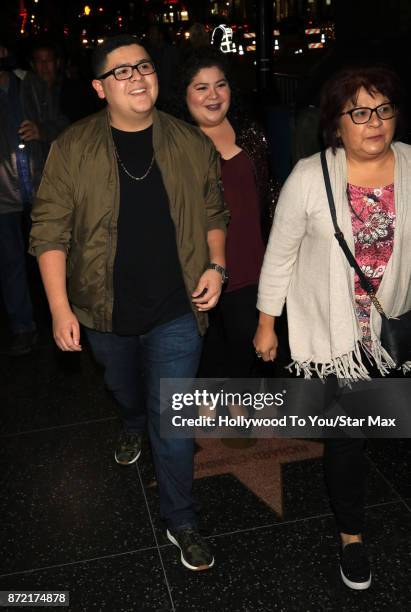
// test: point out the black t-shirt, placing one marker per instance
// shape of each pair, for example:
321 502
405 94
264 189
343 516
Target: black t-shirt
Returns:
148 282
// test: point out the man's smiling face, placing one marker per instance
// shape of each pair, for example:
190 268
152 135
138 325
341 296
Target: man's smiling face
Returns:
131 100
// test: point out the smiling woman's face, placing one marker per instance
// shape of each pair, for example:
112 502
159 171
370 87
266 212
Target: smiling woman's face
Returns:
369 140
208 97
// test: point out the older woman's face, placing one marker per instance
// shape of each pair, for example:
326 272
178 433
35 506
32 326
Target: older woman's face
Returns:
208 97
369 140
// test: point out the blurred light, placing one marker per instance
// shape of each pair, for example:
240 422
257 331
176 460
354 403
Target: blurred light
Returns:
87 10
100 40
21 145
186 35
240 50
84 41
100 9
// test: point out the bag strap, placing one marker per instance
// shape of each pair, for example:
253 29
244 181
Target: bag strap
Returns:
365 283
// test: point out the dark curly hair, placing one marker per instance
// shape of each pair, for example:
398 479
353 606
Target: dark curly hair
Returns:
192 63
344 87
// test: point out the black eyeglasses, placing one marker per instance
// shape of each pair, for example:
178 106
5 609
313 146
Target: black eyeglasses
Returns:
122 73
363 114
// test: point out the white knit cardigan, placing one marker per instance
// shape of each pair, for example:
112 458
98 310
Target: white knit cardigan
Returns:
305 267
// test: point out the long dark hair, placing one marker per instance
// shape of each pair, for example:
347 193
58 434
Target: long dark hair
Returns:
192 63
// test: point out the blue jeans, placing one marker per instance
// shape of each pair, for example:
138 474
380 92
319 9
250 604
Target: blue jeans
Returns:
133 367
13 273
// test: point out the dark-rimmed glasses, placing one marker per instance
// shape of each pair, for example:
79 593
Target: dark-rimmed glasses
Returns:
363 114
122 73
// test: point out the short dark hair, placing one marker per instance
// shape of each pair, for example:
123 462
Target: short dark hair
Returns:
100 52
344 86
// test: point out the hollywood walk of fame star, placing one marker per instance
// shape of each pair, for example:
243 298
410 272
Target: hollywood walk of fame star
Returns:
257 466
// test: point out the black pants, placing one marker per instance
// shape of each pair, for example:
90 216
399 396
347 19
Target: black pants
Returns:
345 472
228 347
14 285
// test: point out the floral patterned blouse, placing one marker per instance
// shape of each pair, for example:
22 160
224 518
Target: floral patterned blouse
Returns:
373 223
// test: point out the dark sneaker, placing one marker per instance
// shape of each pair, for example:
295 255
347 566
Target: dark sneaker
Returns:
355 567
195 553
128 448
22 343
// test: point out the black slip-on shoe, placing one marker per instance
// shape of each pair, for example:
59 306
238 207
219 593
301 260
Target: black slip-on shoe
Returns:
355 566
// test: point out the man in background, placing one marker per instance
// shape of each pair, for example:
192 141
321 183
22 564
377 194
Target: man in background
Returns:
27 127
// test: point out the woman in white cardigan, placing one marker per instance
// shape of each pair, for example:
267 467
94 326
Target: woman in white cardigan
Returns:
333 328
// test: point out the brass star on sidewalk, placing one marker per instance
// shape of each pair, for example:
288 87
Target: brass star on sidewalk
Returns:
256 463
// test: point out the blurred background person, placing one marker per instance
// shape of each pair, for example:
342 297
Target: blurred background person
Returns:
27 127
334 329
46 63
165 57
71 94
198 36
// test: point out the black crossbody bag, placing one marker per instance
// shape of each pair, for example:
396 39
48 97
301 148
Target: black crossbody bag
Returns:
395 333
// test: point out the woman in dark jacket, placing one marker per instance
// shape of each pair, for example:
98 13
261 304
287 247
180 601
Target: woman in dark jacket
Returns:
250 195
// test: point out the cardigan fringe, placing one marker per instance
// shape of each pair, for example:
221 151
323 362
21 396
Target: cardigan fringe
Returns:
350 366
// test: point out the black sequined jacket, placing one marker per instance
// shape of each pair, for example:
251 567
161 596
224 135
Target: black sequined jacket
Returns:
251 138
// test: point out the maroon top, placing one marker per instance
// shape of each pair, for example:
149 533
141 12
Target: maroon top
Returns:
244 246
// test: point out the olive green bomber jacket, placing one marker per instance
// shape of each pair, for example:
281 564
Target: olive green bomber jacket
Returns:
77 206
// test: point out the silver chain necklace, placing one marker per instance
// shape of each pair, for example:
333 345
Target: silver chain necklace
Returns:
135 178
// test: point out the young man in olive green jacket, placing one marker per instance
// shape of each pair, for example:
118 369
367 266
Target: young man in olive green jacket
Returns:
130 216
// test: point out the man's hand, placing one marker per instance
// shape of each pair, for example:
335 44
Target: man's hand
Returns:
29 130
208 290
66 329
